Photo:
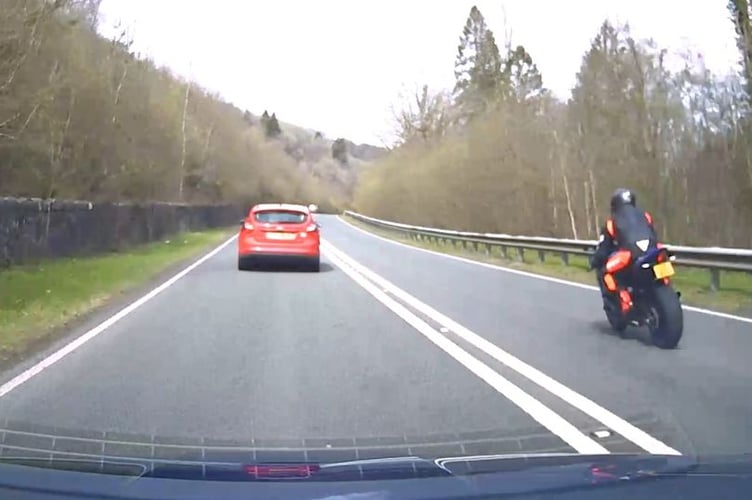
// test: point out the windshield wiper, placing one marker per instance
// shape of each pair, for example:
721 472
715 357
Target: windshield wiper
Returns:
376 469
597 469
118 467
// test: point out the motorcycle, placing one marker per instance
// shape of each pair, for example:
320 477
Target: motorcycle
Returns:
654 302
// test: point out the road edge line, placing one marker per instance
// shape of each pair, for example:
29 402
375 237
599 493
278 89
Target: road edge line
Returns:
527 274
56 356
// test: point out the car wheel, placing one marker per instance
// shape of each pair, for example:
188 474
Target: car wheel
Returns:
242 264
315 264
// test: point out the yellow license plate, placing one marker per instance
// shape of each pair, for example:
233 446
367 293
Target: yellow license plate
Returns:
663 270
280 236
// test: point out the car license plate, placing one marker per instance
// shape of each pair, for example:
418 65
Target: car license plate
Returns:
663 270
280 236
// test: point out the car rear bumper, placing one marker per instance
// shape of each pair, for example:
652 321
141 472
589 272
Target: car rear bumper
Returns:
277 256
249 246
278 260
273 253
278 251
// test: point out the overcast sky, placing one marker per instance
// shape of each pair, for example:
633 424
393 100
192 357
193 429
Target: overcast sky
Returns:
339 66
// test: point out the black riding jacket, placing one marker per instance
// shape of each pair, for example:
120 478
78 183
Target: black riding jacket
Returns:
624 229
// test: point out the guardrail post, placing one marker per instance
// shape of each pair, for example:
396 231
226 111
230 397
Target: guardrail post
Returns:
488 249
504 252
565 259
715 279
541 256
521 252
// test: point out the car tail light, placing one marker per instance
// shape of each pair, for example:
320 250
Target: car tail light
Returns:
312 228
248 226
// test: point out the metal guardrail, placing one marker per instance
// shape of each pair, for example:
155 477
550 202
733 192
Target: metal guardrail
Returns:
715 259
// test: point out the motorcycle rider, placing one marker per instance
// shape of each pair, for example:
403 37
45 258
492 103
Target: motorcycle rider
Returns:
628 228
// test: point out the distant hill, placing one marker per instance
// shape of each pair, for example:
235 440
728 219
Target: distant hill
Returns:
312 151
367 152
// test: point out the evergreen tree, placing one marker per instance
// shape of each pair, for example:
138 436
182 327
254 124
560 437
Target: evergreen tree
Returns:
521 80
478 65
272 129
339 151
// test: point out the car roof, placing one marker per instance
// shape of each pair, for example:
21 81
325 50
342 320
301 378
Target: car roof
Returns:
280 206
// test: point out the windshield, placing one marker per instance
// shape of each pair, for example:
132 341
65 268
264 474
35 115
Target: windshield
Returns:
270 237
281 217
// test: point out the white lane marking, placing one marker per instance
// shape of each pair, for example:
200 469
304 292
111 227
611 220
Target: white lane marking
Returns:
79 341
585 405
537 410
701 310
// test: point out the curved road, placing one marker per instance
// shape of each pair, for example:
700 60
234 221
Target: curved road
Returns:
389 350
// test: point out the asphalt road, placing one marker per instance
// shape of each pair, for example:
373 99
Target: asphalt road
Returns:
337 358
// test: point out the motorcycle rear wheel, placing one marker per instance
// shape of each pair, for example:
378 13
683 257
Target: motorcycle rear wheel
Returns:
666 324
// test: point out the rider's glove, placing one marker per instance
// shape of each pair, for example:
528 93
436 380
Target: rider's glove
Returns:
592 263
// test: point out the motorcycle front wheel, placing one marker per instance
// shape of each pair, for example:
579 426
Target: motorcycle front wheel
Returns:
615 319
665 318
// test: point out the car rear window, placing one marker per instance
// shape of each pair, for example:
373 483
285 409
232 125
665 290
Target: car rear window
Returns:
281 217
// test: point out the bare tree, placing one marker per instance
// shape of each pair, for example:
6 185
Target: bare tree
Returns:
425 116
681 139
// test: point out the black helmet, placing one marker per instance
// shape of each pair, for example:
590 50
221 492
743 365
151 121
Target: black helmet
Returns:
622 197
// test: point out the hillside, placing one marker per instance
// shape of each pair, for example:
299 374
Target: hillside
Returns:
85 117
313 152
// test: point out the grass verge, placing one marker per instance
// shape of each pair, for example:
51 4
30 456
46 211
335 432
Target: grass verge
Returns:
735 295
35 300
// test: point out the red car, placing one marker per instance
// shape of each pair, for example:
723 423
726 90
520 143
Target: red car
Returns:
279 232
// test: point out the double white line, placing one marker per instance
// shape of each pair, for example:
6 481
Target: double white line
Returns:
398 300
